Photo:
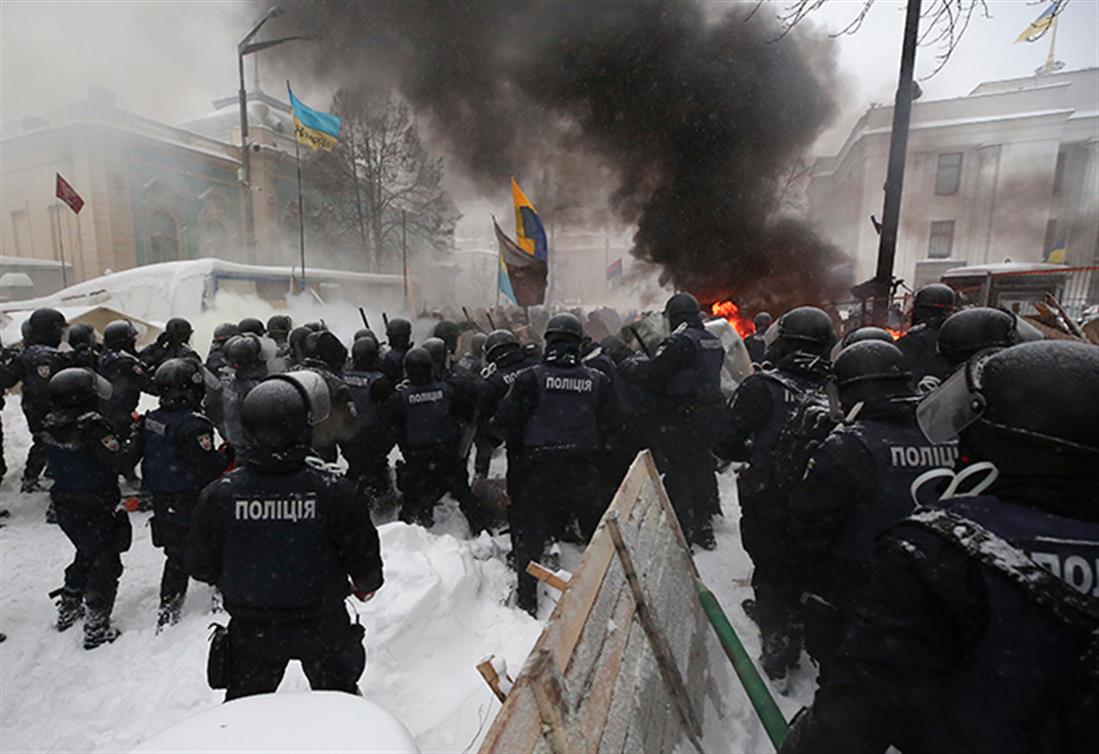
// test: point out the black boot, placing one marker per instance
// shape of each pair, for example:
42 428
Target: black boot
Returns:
98 629
70 609
170 610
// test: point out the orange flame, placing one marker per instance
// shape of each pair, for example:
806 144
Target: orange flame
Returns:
897 334
731 313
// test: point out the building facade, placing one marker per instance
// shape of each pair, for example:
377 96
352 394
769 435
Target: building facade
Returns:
1009 172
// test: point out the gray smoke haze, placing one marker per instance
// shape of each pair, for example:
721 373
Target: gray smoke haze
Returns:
684 120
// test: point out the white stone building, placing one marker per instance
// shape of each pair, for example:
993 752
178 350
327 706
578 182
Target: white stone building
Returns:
1008 172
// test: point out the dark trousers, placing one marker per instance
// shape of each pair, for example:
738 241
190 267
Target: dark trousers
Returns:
684 457
329 648
96 567
171 523
546 495
482 457
427 475
776 580
36 455
368 466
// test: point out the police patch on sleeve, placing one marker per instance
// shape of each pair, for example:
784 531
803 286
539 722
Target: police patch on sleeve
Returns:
110 442
43 371
206 442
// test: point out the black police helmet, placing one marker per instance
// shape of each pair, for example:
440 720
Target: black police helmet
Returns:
365 353
224 331
326 346
477 344
275 414
77 388
564 327
398 328
81 335
251 325
418 365
1030 409
805 328
315 326
364 332
180 380
762 321
298 337
500 342
871 370
934 301
45 327
119 334
279 324
449 333
243 351
970 331
862 334
178 329
438 349
682 307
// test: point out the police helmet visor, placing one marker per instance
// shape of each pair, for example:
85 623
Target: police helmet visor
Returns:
954 405
314 390
103 388
208 378
268 349
772 334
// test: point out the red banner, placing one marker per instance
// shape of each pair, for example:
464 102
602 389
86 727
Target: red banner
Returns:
67 194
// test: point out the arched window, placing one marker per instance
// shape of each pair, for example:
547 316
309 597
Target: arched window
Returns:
163 237
214 239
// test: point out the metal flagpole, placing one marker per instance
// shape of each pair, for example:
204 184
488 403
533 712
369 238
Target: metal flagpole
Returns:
301 213
61 248
404 254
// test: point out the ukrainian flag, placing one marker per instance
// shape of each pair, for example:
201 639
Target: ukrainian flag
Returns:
1040 25
313 128
529 232
504 282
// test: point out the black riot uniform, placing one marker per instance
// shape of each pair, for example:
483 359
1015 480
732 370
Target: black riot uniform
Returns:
931 305
247 366
754 343
857 486
506 361
556 419
399 334
85 457
180 458
426 416
685 379
758 412
119 365
215 357
85 347
38 363
286 541
367 451
974 632
629 436
326 355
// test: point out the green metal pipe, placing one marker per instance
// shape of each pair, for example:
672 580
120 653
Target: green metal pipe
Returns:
769 713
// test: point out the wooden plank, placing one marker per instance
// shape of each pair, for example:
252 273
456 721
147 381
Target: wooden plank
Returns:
546 686
545 575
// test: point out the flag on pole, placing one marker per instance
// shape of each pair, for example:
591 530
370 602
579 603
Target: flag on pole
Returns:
529 233
614 271
313 128
523 275
1056 253
67 194
1039 26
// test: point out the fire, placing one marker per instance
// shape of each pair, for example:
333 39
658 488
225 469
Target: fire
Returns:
731 312
897 334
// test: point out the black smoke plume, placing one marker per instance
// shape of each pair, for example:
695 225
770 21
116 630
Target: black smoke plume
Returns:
681 118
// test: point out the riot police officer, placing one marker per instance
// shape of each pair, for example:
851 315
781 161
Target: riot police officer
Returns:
38 363
754 342
85 458
215 357
398 333
173 343
798 350
558 415
286 541
251 325
966 333
85 346
119 365
244 355
857 485
426 416
327 356
684 378
506 360
180 457
367 451
448 332
278 330
974 632
931 305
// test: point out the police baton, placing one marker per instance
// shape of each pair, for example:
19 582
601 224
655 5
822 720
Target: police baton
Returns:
471 320
366 322
385 320
640 342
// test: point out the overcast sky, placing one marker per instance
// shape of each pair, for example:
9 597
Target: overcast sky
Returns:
168 60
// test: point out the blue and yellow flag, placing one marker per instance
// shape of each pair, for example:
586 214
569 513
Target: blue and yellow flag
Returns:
313 128
504 281
1057 253
1039 26
529 232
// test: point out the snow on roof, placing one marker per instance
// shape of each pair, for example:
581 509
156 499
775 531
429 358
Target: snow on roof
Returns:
9 261
979 119
1001 268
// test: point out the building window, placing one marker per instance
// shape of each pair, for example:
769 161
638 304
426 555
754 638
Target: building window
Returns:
21 229
948 178
942 239
1059 172
163 238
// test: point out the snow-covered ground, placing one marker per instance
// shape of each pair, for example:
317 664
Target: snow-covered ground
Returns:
444 608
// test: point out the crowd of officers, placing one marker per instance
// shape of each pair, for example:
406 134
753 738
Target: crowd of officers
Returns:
894 496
